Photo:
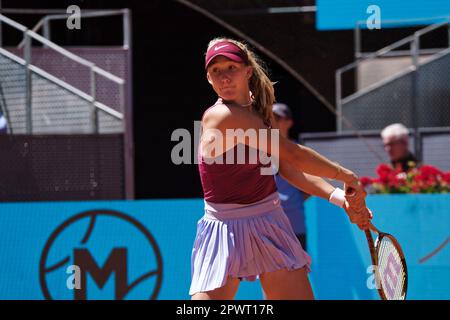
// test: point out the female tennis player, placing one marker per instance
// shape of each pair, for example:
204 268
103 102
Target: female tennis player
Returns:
244 233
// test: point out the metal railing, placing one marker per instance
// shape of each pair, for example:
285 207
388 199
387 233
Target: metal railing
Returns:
125 87
358 53
269 10
45 23
95 71
60 14
414 52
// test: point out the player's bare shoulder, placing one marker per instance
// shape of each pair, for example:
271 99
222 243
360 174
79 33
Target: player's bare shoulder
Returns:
228 116
216 113
222 116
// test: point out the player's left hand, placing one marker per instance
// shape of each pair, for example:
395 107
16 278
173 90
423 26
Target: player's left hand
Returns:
360 218
355 194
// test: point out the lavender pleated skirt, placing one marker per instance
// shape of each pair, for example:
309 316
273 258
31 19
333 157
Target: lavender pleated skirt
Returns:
243 241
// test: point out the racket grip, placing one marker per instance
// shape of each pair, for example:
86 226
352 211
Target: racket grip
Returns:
370 242
358 204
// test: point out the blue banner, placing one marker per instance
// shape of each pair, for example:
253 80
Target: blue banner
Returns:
421 223
142 249
118 249
343 14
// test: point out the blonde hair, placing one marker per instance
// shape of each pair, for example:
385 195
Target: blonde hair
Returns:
260 85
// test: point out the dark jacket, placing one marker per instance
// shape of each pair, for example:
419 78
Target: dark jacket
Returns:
404 163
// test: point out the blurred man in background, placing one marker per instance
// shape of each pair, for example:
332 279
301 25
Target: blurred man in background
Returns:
396 144
291 198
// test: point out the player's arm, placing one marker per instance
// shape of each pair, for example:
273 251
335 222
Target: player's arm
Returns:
302 158
309 184
317 186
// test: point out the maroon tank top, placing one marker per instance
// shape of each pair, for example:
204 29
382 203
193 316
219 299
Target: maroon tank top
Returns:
235 183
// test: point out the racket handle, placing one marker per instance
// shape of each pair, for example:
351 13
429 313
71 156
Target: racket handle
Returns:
370 242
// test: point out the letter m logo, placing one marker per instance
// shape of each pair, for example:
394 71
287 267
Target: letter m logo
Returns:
116 262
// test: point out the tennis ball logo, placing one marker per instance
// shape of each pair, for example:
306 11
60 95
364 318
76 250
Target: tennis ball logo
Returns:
115 255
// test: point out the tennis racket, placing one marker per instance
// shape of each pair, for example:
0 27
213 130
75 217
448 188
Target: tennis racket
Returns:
391 273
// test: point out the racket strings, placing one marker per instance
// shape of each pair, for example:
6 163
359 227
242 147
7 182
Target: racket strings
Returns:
389 257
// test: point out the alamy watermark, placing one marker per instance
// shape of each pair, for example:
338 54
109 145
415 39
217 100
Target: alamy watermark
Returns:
374 20
228 148
74 20
74 280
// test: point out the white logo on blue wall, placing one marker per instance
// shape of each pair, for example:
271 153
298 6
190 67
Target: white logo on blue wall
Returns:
374 20
373 281
74 280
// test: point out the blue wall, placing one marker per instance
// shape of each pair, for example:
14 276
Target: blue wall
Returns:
421 223
338 249
343 14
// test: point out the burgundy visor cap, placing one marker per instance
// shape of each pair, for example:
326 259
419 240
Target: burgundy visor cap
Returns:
226 49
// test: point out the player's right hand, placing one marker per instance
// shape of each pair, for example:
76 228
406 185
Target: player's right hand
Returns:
355 194
361 218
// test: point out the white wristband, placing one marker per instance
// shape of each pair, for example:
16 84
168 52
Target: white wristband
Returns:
337 197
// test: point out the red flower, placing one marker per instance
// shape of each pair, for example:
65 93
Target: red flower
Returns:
396 179
384 171
430 170
428 176
446 177
416 180
366 181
